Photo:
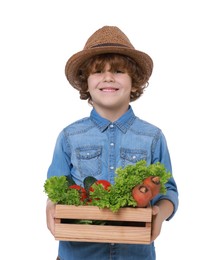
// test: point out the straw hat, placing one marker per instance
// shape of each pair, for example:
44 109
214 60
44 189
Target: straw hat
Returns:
108 39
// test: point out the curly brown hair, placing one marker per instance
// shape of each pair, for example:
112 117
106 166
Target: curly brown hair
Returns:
116 62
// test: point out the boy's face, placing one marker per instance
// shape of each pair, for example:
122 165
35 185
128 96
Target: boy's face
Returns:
110 89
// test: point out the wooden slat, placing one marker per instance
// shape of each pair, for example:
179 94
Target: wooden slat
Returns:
103 234
130 233
95 213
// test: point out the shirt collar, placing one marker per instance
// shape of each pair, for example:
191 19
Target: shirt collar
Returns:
123 123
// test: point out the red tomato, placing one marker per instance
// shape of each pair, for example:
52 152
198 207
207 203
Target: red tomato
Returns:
106 184
81 190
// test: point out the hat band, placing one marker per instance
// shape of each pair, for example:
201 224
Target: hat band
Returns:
109 44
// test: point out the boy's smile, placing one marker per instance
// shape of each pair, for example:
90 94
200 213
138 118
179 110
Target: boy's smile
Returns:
109 89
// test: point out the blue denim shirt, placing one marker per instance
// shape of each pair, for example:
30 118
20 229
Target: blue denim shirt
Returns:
95 146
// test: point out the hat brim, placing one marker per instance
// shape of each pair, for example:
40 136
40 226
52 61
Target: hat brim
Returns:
75 61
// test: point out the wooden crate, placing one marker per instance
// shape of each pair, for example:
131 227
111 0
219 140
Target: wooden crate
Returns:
134 225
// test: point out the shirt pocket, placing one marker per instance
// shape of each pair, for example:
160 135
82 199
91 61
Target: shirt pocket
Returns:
132 156
89 160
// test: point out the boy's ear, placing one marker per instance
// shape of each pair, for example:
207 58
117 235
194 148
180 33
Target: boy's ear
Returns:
133 89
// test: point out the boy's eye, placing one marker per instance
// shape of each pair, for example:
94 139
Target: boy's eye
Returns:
119 71
96 72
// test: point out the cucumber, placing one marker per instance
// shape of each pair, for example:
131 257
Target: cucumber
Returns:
70 180
88 182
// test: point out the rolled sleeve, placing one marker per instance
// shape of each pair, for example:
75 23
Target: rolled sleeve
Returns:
161 154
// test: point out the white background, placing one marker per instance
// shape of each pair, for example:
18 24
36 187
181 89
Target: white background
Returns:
183 99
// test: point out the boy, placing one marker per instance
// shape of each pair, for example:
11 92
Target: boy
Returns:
110 73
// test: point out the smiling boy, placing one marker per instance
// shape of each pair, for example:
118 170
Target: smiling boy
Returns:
110 73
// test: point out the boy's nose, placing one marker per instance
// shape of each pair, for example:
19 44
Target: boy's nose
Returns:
108 76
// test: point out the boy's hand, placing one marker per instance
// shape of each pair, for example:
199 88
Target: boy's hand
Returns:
161 211
156 223
50 216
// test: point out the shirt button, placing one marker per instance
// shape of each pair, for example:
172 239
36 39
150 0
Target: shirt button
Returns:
134 156
111 167
112 144
111 126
